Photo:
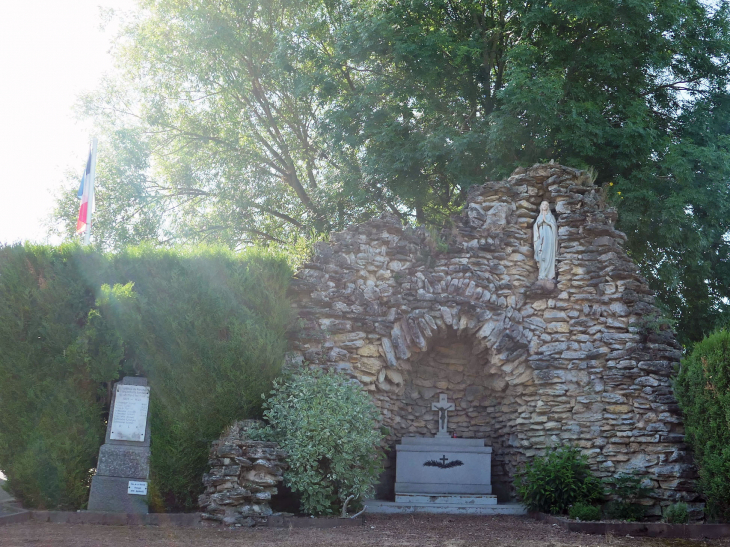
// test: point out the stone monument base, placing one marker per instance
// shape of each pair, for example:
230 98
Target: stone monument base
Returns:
441 465
125 454
466 499
543 287
380 507
124 461
110 494
443 475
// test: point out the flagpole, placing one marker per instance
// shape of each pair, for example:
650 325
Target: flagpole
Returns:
90 182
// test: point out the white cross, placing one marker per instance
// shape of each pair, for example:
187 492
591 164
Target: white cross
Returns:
443 406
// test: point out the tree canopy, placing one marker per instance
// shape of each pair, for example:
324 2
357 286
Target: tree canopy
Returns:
249 120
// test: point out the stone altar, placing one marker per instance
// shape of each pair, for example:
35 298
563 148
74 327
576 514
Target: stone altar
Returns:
443 474
442 465
120 482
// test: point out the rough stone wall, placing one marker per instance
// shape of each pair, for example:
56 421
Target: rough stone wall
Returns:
528 366
242 478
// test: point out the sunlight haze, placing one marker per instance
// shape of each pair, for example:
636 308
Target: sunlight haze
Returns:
51 52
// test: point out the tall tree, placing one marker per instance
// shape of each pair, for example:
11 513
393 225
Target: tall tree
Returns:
271 118
229 118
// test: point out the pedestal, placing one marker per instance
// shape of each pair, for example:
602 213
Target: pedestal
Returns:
443 466
120 482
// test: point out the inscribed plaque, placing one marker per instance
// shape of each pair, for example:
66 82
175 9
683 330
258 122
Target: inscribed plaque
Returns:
138 488
129 419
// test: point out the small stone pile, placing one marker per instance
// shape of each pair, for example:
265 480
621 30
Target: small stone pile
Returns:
242 478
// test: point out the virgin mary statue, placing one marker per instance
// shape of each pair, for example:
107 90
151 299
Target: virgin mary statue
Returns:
545 240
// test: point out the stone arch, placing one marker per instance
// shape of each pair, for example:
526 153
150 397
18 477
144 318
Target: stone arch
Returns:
567 358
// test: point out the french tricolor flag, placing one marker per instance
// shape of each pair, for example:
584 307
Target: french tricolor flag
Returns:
86 193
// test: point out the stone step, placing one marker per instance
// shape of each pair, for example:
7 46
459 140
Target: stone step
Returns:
395 508
459 499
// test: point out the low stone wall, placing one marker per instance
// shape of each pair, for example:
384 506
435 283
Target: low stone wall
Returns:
528 365
242 478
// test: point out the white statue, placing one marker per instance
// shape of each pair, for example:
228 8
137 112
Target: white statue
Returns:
545 240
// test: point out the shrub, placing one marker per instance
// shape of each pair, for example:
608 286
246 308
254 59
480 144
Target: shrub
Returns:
557 480
328 426
628 489
703 392
207 327
677 513
51 413
584 512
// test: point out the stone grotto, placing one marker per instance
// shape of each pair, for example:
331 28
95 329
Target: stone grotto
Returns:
529 363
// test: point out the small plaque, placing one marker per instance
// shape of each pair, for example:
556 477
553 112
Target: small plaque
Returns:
129 419
137 488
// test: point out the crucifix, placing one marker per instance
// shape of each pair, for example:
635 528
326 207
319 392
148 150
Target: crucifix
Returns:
443 406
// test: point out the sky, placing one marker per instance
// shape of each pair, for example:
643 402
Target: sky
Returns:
51 51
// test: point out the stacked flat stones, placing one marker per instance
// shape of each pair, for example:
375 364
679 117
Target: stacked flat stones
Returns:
242 478
542 366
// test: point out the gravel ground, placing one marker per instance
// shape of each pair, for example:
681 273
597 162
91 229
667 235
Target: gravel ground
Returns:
380 531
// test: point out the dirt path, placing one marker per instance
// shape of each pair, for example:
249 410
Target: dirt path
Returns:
380 531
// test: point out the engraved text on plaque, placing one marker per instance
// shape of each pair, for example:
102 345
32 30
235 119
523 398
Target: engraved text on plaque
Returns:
129 418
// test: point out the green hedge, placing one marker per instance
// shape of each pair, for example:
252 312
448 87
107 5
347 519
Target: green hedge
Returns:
703 391
207 327
50 410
